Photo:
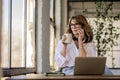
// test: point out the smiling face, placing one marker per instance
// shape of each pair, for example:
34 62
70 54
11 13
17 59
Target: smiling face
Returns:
75 27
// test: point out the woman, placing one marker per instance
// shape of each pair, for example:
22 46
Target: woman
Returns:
81 45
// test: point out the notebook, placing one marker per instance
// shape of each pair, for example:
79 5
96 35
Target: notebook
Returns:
89 65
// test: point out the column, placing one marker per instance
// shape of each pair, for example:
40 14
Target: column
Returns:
42 35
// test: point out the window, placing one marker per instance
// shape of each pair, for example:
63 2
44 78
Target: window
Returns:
18 34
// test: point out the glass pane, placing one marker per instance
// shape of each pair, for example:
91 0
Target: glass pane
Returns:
17 49
52 36
30 56
5 34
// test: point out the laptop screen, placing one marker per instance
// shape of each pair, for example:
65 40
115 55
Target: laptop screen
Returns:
89 65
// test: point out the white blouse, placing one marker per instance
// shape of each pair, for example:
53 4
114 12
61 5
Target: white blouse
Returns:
71 53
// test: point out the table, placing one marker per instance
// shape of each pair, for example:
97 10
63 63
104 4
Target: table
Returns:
68 77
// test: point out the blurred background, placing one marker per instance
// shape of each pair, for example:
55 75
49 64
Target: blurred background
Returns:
30 30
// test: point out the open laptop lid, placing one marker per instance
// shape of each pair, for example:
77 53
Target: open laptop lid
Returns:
89 65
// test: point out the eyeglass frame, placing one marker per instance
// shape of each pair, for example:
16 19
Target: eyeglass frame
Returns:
75 25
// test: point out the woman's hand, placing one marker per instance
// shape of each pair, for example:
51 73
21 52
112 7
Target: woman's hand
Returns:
63 52
63 40
80 35
80 40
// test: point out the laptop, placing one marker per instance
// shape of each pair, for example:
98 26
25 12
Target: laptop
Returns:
89 65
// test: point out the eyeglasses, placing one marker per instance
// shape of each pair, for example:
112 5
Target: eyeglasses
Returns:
75 25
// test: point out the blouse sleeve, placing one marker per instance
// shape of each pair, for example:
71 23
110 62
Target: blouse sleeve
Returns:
59 59
90 50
